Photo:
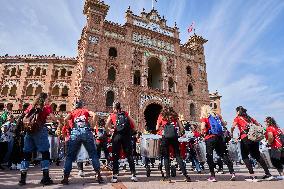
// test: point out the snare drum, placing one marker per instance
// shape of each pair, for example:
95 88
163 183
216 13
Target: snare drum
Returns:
150 145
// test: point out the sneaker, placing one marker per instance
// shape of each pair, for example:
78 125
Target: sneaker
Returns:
211 179
134 178
252 179
268 177
280 177
114 179
233 177
81 173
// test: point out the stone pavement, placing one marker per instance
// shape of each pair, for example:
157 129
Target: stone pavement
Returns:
9 179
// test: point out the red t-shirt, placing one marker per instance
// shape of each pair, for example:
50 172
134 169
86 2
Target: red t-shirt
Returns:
196 134
241 122
162 122
207 128
276 132
44 114
80 112
113 119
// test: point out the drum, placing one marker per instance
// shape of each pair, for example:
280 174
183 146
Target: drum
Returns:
150 145
200 151
54 147
233 151
83 154
264 152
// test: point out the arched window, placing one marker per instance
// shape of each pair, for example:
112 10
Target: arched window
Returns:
31 72
111 74
7 72
13 72
56 73
55 91
37 72
2 106
215 106
192 109
38 90
137 78
53 107
62 107
10 106
189 89
20 72
188 70
44 72
63 72
65 90
5 90
109 98
112 52
69 73
13 90
30 90
171 85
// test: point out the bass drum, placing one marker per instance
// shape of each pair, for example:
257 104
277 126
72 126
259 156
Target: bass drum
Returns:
83 154
264 152
200 151
233 151
150 145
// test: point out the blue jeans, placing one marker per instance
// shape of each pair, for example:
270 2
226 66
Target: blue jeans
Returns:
36 142
78 137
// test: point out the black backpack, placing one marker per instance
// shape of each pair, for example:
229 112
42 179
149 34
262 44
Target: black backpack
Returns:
34 121
122 123
170 131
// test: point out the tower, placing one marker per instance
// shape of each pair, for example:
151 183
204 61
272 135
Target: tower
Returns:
89 46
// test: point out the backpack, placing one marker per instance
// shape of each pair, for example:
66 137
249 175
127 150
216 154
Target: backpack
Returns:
80 121
101 134
122 123
216 127
170 130
33 122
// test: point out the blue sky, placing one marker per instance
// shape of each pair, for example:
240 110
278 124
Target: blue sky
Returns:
244 54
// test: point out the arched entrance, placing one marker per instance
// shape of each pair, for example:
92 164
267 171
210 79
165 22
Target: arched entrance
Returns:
151 114
154 73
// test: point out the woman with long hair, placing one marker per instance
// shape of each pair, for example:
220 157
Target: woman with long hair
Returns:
168 121
214 141
273 134
249 147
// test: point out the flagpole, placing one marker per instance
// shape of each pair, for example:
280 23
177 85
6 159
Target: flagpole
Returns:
152 4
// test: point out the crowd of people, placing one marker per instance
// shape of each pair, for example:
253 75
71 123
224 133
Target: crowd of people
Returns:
116 136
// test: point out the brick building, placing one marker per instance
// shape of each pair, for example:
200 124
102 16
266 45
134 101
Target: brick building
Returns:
141 63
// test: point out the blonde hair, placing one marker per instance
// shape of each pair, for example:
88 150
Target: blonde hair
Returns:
206 110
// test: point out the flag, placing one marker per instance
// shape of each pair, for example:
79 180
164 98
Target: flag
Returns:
191 27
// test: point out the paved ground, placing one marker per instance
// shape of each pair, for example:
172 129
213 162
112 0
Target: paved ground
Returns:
9 179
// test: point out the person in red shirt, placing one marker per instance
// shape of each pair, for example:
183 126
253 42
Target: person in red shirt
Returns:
37 139
272 134
247 146
166 120
214 142
123 126
80 133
